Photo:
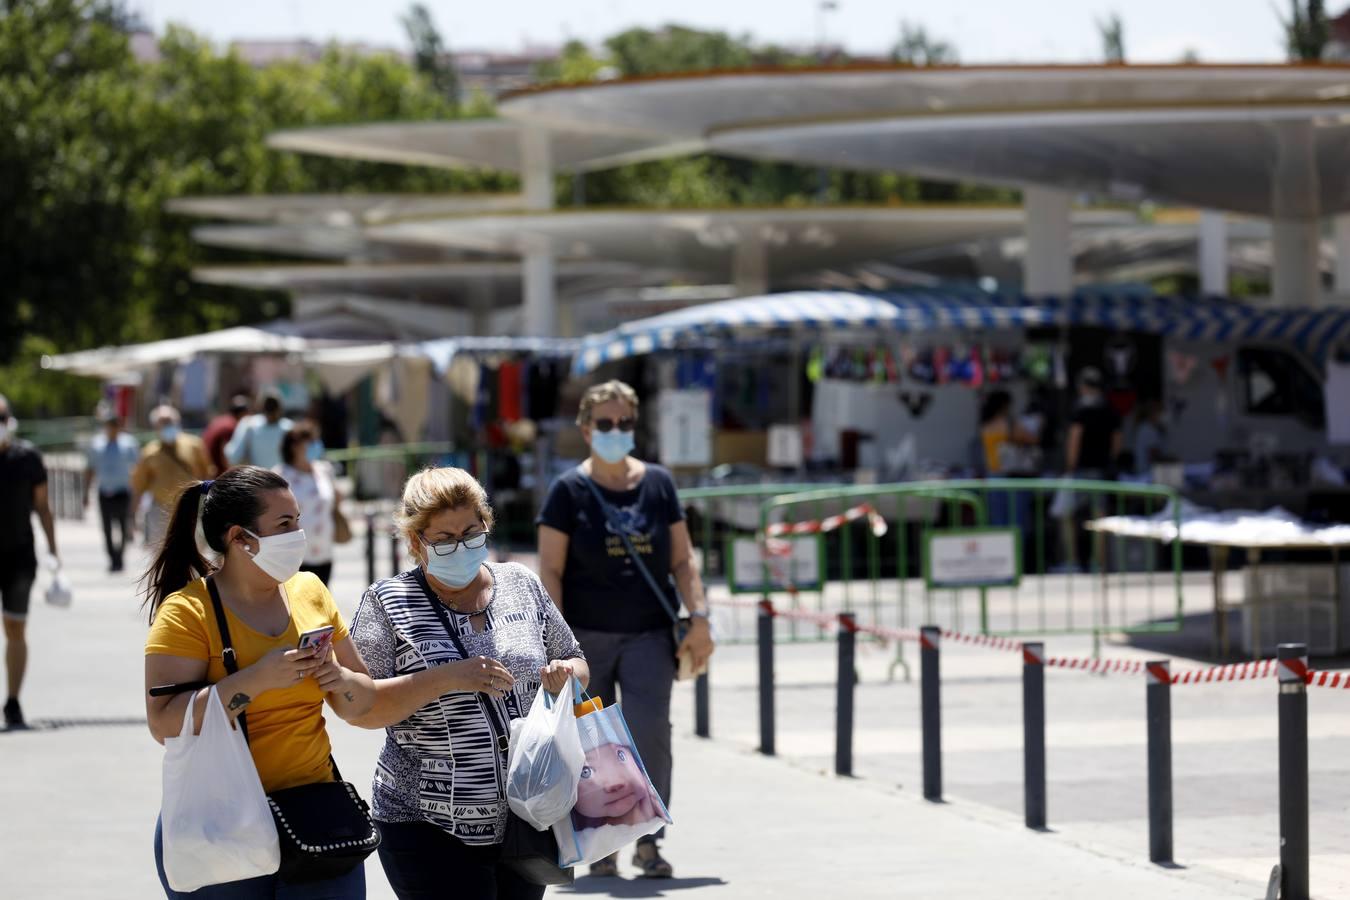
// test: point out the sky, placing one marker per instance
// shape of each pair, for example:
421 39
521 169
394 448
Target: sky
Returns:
983 31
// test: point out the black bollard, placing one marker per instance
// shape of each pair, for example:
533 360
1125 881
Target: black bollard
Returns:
1158 703
1293 673
393 554
702 714
765 636
370 548
843 710
1033 732
930 718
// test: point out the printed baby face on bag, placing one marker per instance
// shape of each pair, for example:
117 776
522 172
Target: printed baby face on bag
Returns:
613 789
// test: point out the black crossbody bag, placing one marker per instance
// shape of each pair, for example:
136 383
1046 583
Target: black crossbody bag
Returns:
531 854
680 625
325 829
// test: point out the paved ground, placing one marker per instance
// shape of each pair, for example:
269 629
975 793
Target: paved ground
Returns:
79 794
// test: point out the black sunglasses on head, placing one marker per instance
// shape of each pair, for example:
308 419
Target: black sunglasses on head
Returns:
627 423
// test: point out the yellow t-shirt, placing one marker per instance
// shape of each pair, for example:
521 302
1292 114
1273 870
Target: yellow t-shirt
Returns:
285 727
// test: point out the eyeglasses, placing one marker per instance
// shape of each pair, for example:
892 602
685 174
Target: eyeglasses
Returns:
445 548
627 423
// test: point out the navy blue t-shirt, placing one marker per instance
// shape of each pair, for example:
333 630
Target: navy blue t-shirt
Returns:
602 588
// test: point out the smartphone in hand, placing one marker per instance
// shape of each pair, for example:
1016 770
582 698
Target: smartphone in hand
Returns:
319 638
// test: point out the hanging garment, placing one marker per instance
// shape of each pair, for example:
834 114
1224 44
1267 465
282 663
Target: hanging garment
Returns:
509 391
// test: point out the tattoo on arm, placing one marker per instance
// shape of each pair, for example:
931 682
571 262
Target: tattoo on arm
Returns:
350 697
239 701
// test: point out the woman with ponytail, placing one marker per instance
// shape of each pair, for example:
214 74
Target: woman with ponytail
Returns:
250 520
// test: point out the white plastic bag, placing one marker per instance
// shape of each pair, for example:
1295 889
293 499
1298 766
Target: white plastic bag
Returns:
545 760
215 819
616 803
58 592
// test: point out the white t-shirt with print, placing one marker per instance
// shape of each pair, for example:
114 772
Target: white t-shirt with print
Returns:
315 492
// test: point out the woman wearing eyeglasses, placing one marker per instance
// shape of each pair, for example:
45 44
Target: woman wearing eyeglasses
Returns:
602 524
458 648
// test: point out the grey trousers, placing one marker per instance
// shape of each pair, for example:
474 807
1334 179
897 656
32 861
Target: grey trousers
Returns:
642 667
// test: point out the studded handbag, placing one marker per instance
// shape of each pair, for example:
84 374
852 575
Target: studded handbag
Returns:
325 829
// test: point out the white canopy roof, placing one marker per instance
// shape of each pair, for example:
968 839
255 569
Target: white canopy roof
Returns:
339 209
1200 135
474 144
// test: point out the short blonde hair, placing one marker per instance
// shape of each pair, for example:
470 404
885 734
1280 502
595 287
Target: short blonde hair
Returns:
434 490
603 393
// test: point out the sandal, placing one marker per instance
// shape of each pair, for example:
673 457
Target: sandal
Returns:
650 862
607 867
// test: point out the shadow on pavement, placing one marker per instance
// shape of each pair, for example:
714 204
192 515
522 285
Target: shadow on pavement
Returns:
639 887
78 722
1195 641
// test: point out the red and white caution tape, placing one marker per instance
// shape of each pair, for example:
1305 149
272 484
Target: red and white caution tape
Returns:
831 523
1248 671
984 640
1097 666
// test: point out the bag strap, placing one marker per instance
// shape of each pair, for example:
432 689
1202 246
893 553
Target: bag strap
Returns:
495 723
227 654
616 526
231 661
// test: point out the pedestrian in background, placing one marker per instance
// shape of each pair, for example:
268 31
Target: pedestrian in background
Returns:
168 463
220 429
250 519
23 491
1091 450
459 647
112 458
315 488
257 439
622 625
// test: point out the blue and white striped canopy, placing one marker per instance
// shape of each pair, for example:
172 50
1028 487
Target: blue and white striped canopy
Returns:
1315 332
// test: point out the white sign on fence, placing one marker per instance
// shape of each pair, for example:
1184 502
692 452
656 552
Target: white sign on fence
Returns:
684 421
801 568
980 557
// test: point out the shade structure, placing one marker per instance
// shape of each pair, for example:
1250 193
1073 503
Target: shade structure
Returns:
339 209
710 240
803 312
474 144
1221 136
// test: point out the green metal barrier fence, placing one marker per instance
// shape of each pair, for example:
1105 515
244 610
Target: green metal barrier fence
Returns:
1072 581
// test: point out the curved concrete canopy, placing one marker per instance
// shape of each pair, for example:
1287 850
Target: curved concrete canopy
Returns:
708 240
400 276
340 209
473 144
1211 136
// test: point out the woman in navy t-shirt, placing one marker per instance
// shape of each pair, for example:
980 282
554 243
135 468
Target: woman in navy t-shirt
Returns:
623 626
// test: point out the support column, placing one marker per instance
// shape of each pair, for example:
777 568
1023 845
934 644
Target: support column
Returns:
1296 280
1048 267
750 264
1341 229
540 288
1213 252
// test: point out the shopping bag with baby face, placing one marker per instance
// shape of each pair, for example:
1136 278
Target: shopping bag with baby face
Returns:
616 803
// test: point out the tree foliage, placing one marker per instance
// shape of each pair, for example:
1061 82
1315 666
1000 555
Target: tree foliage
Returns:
430 55
1307 30
1112 31
917 47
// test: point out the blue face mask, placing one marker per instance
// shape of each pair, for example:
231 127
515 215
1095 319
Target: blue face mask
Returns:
613 445
458 569
314 451
169 433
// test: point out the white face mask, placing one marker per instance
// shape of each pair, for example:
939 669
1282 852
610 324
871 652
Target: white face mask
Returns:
280 555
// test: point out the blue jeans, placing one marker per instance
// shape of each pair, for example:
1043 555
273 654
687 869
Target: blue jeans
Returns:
351 886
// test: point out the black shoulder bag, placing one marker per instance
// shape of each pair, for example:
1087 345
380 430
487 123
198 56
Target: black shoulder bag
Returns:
531 854
325 828
680 625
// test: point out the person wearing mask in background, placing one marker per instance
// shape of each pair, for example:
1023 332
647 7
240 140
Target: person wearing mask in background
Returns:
257 440
220 429
315 488
623 626
112 457
1091 449
23 491
249 517
1150 436
167 463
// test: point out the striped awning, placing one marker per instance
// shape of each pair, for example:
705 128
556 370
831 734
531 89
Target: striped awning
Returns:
1315 332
